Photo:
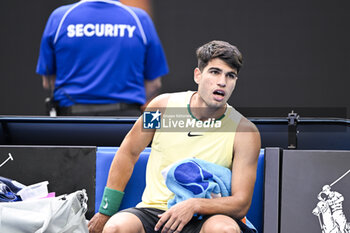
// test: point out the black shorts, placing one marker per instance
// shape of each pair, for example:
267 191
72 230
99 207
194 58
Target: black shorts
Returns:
149 218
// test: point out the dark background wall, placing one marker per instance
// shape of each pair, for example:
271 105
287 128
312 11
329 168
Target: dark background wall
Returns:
296 52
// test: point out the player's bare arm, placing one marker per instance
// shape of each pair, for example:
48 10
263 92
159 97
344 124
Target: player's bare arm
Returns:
124 161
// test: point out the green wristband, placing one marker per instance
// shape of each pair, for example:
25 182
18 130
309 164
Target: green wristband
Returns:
110 201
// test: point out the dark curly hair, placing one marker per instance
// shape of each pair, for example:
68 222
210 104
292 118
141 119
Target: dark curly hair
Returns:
222 50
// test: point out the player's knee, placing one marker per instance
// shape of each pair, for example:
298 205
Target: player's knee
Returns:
223 228
123 223
112 228
231 229
228 229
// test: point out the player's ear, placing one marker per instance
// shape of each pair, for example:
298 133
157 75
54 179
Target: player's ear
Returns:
197 75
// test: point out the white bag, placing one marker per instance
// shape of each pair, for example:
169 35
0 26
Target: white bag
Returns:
63 214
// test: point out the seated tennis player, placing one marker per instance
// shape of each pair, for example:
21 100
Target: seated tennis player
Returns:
193 124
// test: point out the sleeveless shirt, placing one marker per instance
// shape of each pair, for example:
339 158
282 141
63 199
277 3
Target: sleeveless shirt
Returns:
168 146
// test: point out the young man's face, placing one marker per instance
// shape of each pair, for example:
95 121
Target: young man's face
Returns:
216 82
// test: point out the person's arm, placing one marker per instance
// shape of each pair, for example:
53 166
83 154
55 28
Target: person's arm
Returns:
48 81
122 167
246 152
124 160
152 89
127 155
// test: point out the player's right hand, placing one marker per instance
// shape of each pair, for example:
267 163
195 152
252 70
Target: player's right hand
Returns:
97 223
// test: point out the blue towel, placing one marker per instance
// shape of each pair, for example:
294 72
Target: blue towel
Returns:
196 178
14 185
6 194
9 189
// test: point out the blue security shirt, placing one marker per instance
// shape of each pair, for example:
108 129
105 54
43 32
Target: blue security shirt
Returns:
101 52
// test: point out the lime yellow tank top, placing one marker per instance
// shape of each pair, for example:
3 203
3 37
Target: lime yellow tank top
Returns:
213 144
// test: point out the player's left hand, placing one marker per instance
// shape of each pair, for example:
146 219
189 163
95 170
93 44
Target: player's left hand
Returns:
176 217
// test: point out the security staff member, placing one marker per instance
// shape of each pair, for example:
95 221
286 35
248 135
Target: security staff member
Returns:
103 58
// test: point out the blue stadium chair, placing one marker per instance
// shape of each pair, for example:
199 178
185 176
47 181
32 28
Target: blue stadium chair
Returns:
137 182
